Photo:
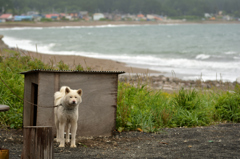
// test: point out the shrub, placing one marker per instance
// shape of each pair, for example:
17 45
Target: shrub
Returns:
228 106
62 66
187 99
141 108
79 68
189 109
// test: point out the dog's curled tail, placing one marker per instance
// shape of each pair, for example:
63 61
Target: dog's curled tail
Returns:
59 94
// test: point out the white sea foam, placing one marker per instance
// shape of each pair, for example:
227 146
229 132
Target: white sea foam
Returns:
22 28
202 56
70 27
97 26
236 57
28 45
230 53
23 44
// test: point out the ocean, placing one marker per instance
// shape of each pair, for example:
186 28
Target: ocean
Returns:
188 51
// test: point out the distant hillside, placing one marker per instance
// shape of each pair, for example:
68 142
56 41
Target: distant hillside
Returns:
162 7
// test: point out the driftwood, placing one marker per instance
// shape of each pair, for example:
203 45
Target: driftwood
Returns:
37 142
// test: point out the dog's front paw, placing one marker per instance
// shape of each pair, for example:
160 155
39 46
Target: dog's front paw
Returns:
67 140
56 139
73 145
61 145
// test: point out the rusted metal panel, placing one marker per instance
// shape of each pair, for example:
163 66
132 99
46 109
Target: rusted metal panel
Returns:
37 142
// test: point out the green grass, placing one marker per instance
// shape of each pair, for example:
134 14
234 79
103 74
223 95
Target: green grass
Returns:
228 106
138 107
143 109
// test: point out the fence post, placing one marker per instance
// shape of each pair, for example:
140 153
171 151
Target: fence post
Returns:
37 142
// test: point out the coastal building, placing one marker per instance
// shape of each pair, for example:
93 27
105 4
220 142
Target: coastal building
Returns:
108 16
74 15
129 17
150 17
52 16
154 17
6 17
117 17
207 15
98 16
84 15
23 18
227 17
141 17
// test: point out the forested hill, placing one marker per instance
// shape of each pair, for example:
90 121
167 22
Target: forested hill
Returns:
162 7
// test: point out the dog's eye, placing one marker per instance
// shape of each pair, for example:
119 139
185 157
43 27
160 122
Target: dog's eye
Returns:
70 96
75 96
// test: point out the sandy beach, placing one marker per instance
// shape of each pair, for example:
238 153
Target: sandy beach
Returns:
97 23
86 62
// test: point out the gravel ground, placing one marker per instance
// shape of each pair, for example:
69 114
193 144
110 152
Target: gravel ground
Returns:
217 141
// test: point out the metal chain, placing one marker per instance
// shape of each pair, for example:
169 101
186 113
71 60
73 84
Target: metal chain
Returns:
26 100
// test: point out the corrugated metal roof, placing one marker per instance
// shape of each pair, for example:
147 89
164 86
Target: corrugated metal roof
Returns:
72 71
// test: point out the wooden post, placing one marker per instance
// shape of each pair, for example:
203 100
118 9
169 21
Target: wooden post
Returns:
37 142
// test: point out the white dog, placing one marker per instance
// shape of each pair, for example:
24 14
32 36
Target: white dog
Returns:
67 113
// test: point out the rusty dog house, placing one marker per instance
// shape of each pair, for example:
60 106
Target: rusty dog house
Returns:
97 112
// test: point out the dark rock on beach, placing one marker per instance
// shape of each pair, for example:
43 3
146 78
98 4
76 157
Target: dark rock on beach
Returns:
171 84
2 44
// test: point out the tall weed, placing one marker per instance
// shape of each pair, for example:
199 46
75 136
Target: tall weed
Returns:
228 106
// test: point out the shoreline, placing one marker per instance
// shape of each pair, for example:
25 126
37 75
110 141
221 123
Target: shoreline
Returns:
99 23
93 64
136 76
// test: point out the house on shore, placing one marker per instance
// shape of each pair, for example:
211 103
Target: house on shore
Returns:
6 17
154 17
23 18
52 16
141 17
98 16
84 15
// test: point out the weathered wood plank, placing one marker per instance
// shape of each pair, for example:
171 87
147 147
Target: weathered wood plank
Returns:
96 112
28 81
37 142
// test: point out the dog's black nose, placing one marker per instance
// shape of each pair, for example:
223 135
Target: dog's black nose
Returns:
73 102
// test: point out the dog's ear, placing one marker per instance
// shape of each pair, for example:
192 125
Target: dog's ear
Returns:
80 92
67 90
